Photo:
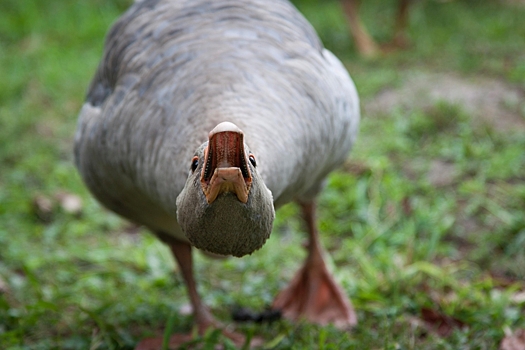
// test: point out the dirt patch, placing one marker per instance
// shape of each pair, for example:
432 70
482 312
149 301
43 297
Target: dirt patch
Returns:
441 173
514 2
488 100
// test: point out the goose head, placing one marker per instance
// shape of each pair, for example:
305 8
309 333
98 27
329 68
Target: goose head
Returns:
225 208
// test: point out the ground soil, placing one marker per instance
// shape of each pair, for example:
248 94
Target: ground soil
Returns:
487 100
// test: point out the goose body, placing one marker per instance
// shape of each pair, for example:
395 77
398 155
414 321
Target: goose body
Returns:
173 70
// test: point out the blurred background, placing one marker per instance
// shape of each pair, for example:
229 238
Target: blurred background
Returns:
425 223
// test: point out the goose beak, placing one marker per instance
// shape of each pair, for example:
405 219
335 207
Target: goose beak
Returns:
226 168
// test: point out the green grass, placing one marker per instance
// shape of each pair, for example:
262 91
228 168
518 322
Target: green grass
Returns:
398 243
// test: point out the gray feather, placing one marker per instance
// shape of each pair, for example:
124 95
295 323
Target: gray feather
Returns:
172 70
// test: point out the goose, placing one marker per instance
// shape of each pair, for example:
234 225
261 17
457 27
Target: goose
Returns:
202 118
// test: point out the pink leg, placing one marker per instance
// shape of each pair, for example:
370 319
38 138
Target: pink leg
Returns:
400 40
313 294
401 23
363 41
203 317
183 255
365 44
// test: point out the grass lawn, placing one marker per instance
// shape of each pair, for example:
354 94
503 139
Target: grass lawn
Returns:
425 223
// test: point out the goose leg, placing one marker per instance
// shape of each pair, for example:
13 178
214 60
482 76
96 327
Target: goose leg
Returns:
313 293
365 44
400 40
183 256
203 317
363 41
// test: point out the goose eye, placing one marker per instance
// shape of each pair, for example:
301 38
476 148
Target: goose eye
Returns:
194 163
252 160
